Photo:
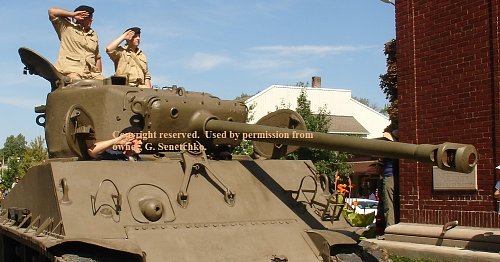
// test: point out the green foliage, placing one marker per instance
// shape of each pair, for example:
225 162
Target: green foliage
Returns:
326 161
385 110
243 97
406 259
19 157
14 146
388 84
246 146
283 105
12 152
319 122
362 100
302 84
10 173
34 154
358 220
366 102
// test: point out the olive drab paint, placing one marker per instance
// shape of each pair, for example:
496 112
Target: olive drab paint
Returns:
190 199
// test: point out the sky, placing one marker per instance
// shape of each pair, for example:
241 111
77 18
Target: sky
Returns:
222 47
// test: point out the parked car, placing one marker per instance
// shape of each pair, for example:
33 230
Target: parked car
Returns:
362 205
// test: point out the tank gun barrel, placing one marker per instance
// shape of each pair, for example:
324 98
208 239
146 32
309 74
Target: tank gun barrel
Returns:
175 110
447 156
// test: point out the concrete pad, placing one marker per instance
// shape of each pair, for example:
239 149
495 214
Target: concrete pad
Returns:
442 253
470 238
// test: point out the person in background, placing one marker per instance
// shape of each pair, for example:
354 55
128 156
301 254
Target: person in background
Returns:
496 192
379 169
16 180
388 183
372 196
79 56
388 191
379 218
129 60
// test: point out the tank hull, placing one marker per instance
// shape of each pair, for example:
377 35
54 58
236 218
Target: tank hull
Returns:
184 207
265 220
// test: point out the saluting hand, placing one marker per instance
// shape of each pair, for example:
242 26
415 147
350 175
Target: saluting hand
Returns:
125 139
80 15
128 35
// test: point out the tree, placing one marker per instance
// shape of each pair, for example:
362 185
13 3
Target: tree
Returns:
19 157
14 146
12 151
314 122
362 100
388 84
243 97
326 161
246 146
34 154
366 102
302 84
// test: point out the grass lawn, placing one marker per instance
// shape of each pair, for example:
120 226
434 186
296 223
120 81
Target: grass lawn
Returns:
405 259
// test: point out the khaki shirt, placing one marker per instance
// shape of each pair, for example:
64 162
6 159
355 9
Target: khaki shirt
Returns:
78 52
133 65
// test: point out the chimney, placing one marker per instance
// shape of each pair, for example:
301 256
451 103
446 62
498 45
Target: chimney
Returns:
316 81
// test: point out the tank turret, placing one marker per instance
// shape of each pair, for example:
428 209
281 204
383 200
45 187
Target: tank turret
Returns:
77 114
199 204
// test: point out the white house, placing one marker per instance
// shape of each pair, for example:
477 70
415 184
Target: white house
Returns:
348 116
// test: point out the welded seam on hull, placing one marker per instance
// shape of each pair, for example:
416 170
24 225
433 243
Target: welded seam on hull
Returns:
211 224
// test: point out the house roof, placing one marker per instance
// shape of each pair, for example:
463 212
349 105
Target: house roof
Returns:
348 115
296 88
363 167
347 125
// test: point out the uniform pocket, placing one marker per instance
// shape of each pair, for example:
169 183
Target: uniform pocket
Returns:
92 44
76 59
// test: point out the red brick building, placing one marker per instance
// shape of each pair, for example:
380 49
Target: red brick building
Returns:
448 56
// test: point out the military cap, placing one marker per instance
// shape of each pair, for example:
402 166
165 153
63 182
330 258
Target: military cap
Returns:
136 30
131 129
86 8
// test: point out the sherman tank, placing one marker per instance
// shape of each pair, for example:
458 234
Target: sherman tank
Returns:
189 199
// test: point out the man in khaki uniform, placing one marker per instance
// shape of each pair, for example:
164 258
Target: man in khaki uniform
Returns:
79 56
129 60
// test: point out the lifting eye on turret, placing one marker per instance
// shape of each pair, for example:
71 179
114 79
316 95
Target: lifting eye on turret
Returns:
39 120
40 110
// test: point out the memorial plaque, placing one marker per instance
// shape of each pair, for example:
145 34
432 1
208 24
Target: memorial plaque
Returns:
448 180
